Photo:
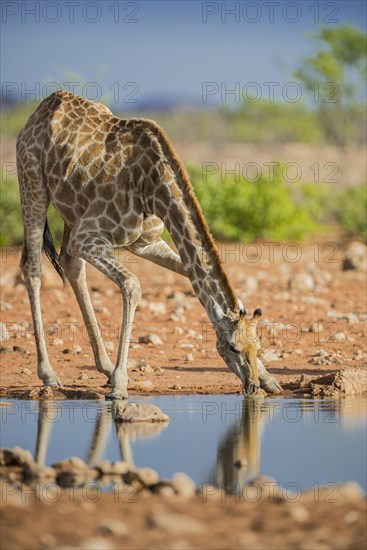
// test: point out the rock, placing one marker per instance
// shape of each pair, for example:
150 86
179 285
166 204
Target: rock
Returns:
16 457
158 308
135 364
109 526
45 392
177 296
4 335
186 346
321 276
145 368
4 306
352 318
270 355
57 342
150 339
83 376
351 517
103 466
183 485
177 524
193 334
316 328
355 257
73 464
341 383
26 371
302 281
299 513
350 492
338 336
189 357
43 474
146 476
166 491
322 353
143 412
77 349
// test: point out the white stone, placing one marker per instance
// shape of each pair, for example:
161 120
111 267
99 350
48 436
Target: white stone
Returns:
270 355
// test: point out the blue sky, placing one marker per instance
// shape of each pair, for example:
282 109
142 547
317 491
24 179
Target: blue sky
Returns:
133 50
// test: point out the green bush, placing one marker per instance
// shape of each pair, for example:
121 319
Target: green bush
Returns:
11 225
13 119
236 209
245 211
351 211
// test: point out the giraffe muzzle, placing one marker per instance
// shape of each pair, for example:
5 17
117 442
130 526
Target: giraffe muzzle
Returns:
251 389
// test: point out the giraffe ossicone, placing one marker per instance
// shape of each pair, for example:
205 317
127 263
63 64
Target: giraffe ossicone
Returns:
118 182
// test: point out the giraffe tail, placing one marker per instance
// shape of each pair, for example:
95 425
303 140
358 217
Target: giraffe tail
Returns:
51 253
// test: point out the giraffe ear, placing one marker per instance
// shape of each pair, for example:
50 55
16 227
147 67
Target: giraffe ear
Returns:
257 313
216 310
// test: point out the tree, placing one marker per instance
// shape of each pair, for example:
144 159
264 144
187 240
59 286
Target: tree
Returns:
335 80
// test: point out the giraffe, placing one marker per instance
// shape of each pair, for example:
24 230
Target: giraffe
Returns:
118 182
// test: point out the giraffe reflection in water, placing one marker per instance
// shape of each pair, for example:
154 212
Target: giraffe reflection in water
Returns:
238 455
239 446
238 452
125 432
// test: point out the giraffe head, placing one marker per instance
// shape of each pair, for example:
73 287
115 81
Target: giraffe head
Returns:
238 344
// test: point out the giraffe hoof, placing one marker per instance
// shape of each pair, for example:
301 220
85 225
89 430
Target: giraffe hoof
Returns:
52 381
116 395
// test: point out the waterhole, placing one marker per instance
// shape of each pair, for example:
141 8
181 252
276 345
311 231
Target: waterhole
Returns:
221 440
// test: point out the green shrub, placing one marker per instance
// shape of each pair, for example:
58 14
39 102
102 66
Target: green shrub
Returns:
351 211
11 225
241 210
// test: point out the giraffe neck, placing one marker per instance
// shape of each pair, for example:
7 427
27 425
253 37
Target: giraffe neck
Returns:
201 261
175 203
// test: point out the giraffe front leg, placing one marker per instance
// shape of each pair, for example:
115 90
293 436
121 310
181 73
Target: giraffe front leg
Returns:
97 250
131 295
160 253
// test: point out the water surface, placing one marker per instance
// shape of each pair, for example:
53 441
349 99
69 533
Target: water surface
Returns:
301 443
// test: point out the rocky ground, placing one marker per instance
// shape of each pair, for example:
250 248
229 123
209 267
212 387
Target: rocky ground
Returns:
144 512
313 322
313 336
67 519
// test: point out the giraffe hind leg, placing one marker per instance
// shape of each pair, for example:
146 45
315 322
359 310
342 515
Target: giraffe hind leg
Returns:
74 268
34 219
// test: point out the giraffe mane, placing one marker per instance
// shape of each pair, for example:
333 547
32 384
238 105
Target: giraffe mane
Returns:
195 209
